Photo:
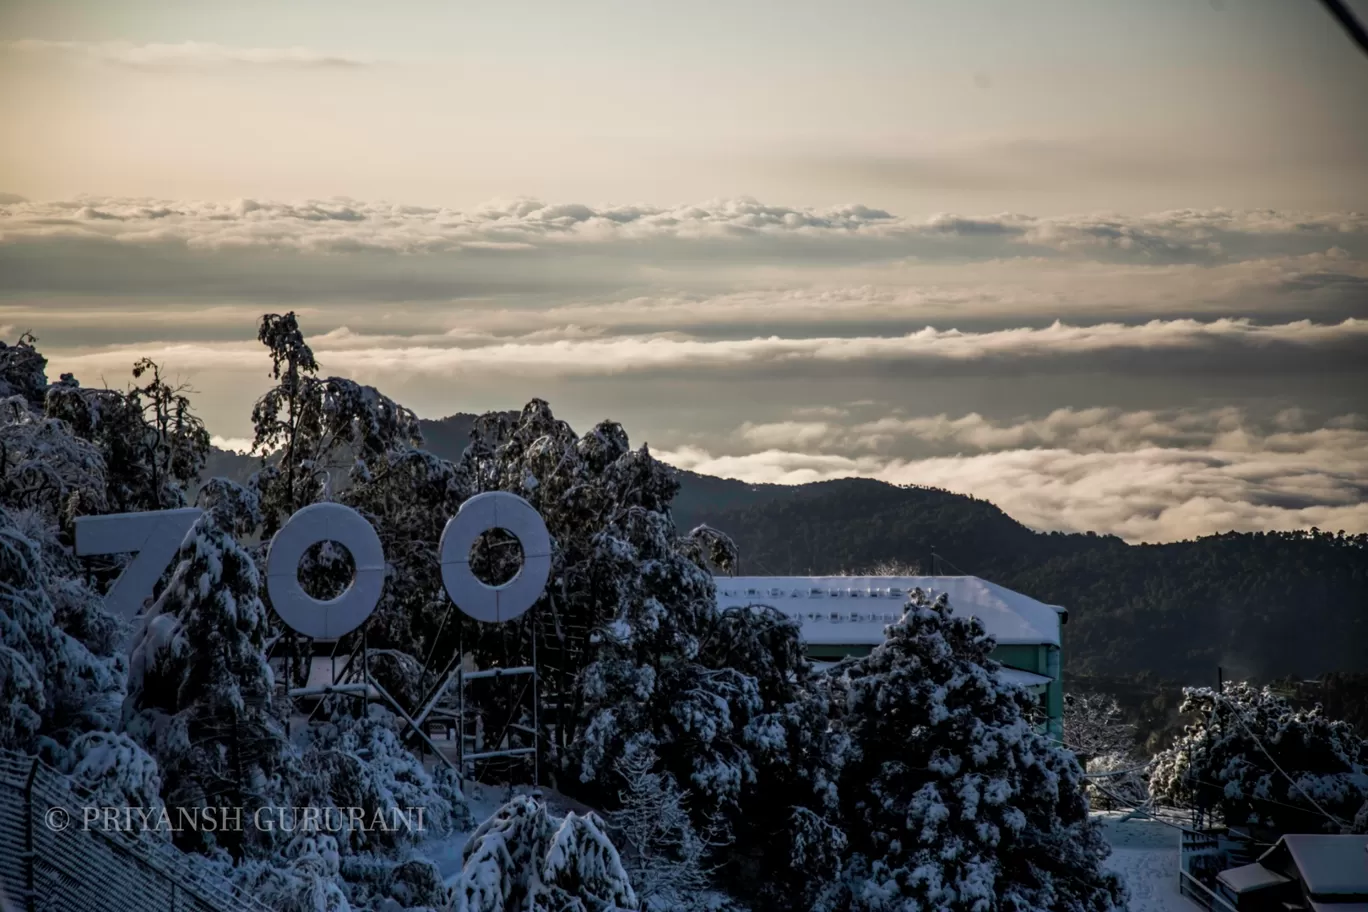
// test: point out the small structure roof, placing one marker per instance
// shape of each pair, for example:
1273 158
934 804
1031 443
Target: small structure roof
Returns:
1024 678
854 610
1329 866
1251 877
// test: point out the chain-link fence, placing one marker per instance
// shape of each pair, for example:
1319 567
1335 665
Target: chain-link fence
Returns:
49 862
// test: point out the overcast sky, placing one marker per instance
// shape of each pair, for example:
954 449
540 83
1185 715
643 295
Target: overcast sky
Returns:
1104 263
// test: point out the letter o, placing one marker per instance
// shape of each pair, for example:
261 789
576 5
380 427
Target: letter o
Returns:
316 523
479 514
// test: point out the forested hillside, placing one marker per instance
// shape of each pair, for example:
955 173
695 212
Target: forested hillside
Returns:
1262 605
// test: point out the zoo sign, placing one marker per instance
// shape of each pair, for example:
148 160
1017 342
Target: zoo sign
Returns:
155 537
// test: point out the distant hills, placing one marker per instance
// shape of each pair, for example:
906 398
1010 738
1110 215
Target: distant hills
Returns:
1262 605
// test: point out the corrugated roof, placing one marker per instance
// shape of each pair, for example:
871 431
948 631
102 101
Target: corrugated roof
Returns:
854 610
1328 865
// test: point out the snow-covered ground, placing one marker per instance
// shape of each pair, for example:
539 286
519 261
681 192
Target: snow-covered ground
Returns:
1145 854
1144 851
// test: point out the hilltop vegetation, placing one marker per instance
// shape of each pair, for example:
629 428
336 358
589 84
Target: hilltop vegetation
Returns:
1263 605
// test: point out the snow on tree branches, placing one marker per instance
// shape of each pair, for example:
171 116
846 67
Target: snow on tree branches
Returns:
666 856
201 694
951 798
521 858
1097 733
1256 760
53 688
304 421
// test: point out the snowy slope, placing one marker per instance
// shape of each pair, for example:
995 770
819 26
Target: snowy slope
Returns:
1145 854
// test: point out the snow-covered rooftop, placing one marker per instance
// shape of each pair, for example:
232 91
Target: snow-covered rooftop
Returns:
1024 678
1251 877
1330 866
854 610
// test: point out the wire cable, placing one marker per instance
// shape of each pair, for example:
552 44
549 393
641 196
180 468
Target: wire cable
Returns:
1235 711
1352 27
1114 773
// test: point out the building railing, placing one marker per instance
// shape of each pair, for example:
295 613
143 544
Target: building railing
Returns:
50 861
1196 843
1201 894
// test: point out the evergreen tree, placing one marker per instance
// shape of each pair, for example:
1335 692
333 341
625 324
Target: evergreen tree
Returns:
950 797
310 427
1254 759
522 858
152 444
201 692
662 850
53 688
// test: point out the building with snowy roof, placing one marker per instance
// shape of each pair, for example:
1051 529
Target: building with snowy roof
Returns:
844 616
1311 872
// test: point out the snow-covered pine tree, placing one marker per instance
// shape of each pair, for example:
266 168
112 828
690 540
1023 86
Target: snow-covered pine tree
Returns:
303 877
60 676
951 799
1255 759
522 858
360 762
45 467
61 682
201 695
408 495
310 427
23 372
152 444
53 688
116 771
27 640
583 872
790 824
310 432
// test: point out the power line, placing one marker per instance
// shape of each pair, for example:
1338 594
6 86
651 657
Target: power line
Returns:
1140 809
1251 732
1352 27
1114 773
1216 785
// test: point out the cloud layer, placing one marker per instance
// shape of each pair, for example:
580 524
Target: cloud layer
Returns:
1146 476
180 55
559 352
1155 376
350 226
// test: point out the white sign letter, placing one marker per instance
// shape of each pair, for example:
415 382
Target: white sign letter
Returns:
154 536
479 514
316 523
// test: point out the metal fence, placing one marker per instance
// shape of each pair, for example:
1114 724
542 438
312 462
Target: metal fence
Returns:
50 863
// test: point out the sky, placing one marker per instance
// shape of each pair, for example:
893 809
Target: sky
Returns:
1102 263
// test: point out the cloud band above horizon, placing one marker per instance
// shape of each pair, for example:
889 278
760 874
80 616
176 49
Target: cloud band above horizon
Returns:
1155 376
